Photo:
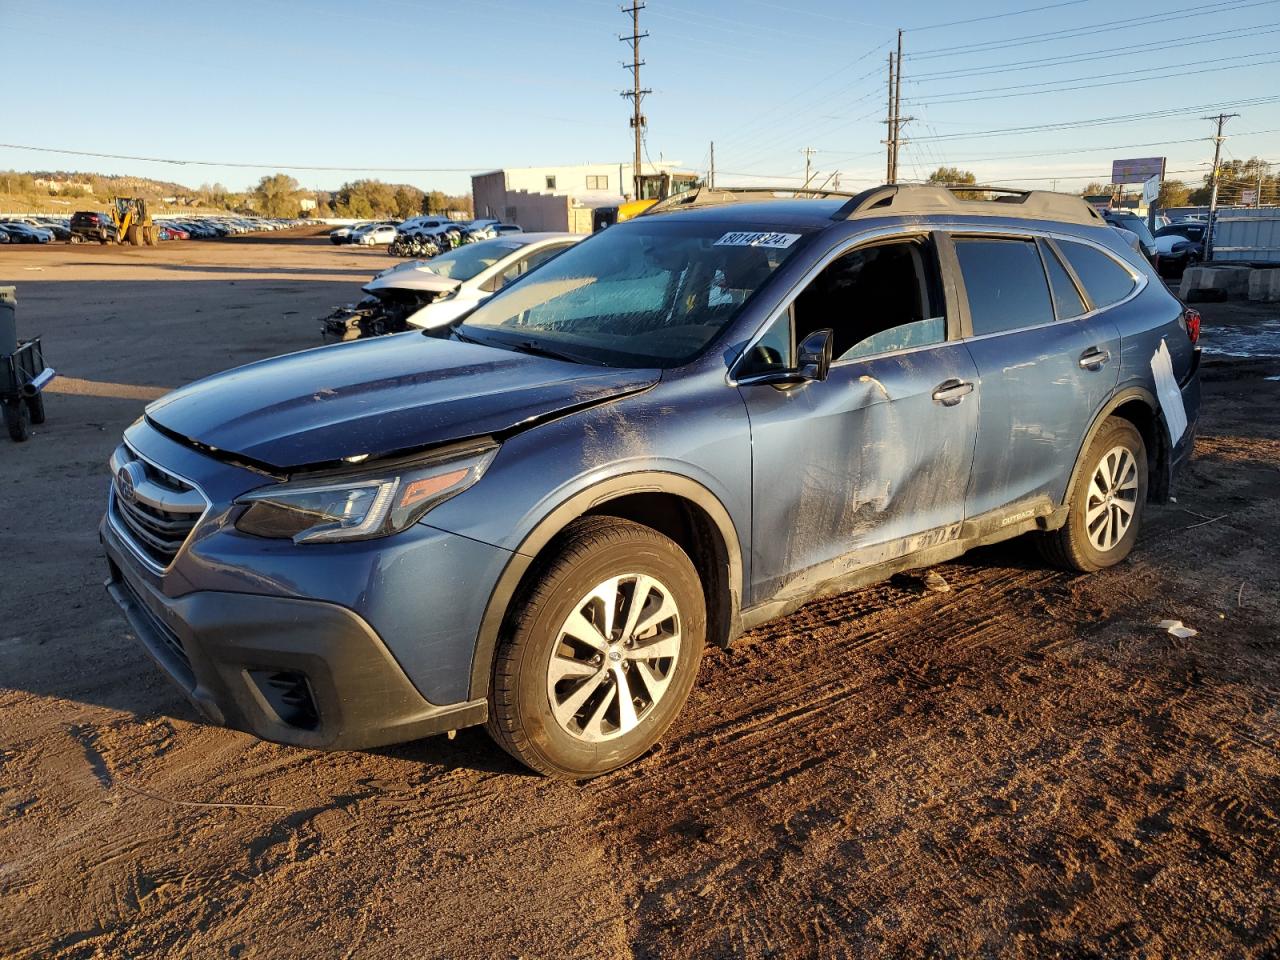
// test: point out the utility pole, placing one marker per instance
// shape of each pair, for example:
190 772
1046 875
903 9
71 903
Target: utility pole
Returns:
897 108
711 174
896 119
1220 119
636 94
889 128
1257 197
808 162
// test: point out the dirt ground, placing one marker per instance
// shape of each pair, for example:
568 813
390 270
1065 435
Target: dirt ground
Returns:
1024 766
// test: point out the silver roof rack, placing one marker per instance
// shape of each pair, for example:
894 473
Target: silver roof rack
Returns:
906 200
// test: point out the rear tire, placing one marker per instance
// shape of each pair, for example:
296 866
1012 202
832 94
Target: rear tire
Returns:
1105 503
35 407
18 420
587 677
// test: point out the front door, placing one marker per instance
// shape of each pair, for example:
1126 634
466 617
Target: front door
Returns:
874 461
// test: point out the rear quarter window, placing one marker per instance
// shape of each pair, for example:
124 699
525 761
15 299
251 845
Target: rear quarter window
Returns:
1106 281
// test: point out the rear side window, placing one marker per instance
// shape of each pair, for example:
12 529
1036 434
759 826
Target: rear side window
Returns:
1106 281
1066 298
1005 282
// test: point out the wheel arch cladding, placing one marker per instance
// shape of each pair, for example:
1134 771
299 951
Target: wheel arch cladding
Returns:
1138 406
676 507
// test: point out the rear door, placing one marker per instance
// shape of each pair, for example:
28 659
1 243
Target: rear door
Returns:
1046 362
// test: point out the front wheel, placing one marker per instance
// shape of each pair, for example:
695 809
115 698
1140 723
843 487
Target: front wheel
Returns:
17 417
1105 503
600 652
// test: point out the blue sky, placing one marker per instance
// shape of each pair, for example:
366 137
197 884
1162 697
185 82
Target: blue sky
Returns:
448 87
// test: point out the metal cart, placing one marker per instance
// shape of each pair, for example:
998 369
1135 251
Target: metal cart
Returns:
23 374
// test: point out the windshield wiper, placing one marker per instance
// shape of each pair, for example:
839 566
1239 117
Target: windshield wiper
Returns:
538 350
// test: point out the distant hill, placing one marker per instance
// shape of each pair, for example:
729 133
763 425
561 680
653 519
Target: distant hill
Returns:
109 185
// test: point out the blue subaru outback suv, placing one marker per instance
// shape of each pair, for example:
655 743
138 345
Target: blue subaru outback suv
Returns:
680 428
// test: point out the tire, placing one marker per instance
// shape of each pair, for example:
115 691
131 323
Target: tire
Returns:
538 659
35 407
134 235
18 419
1097 533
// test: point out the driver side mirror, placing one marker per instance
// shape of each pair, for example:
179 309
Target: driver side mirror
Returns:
813 355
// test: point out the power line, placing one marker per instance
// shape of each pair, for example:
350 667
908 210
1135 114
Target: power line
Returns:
997 92
1035 63
240 165
1180 13
998 16
1118 146
1101 121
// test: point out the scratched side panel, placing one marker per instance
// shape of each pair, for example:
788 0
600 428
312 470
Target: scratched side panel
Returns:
860 459
1037 403
691 425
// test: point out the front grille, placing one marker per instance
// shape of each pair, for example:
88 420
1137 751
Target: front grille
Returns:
160 634
155 510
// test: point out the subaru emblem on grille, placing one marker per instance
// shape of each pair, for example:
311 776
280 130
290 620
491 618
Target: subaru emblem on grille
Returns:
127 479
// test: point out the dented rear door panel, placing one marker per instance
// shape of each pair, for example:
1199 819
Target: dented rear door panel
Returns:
1037 404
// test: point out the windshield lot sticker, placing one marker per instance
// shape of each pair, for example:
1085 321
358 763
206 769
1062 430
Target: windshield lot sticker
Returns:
747 239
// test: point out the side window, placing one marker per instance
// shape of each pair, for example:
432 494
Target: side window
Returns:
551 183
1005 282
1066 298
1106 281
876 299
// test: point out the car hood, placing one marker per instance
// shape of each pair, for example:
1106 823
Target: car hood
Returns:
378 397
418 279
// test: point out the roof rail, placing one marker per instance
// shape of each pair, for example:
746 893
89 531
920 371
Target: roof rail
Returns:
921 199
706 196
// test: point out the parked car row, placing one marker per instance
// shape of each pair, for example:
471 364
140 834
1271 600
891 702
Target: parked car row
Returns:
33 230
90 225
441 232
210 228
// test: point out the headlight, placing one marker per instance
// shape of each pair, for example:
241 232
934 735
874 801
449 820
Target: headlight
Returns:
360 508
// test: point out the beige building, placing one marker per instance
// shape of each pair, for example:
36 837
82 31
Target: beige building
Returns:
555 198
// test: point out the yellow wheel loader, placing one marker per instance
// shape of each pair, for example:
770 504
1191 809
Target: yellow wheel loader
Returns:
133 222
650 188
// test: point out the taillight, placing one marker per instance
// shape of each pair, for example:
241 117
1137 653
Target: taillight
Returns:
1192 319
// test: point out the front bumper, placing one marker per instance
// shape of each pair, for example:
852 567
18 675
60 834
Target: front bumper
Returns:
302 672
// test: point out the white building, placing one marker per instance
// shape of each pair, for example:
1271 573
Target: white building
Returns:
555 198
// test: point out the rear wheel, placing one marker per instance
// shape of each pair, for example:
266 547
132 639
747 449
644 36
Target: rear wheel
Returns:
35 407
601 651
1105 504
18 420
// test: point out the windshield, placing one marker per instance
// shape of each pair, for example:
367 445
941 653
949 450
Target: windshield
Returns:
470 259
646 293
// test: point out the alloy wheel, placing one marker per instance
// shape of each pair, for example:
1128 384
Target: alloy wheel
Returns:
614 658
1111 499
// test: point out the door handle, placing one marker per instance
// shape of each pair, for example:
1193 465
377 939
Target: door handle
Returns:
1093 358
950 392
